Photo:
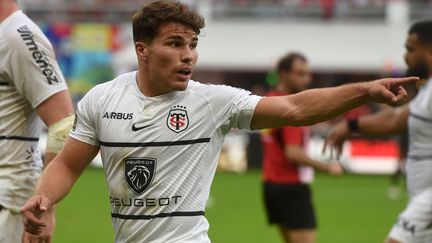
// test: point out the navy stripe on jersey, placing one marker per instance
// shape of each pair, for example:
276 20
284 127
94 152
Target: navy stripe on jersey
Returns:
19 138
425 119
154 144
420 157
161 215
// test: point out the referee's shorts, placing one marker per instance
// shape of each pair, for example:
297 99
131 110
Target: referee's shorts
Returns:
289 206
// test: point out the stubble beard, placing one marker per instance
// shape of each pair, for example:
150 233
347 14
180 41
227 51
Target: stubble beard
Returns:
421 70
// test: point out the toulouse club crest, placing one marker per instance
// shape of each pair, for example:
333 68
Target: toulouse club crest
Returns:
177 120
139 173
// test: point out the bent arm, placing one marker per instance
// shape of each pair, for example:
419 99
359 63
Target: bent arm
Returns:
60 175
387 122
296 154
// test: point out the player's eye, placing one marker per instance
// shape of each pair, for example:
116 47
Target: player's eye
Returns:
175 44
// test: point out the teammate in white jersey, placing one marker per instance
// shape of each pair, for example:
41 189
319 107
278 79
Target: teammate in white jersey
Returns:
31 86
414 224
160 133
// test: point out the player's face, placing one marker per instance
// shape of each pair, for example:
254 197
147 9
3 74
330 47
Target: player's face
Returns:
299 77
416 56
170 59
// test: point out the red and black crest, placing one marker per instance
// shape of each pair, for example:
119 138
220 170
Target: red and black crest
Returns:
139 173
177 120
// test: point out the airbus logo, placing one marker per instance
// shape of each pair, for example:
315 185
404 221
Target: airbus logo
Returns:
118 115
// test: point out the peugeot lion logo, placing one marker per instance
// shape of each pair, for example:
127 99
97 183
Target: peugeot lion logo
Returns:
138 176
139 173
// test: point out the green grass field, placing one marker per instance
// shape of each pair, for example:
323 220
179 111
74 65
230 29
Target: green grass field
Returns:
350 209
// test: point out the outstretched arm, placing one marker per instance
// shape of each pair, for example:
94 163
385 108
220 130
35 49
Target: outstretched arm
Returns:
56 181
316 105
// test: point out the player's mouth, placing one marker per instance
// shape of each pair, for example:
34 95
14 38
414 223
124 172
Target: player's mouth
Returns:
184 73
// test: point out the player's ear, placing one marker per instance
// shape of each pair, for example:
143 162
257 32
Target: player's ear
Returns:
141 50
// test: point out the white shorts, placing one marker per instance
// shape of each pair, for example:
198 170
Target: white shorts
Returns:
12 226
414 224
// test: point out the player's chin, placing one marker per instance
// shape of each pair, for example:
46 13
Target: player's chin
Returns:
181 85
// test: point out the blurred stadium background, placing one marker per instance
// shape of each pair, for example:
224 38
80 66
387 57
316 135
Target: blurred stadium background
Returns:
344 40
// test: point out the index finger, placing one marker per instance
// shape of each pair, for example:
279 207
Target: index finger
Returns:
405 80
36 203
31 204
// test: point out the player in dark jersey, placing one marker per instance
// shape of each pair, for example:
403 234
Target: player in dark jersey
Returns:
288 170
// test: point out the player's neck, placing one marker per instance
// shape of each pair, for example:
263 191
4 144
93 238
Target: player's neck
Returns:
6 9
145 87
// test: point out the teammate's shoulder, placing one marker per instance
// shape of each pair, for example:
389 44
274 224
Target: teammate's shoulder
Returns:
16 28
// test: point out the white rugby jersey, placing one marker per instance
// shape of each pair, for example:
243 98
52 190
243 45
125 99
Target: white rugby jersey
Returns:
29 74
419 161
160 153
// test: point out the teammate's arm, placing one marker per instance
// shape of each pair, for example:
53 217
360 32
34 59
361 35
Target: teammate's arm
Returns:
56 181
386 122
316 105
52 111
57 113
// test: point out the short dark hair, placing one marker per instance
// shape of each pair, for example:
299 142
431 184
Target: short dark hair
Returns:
146 22
423 29
286 62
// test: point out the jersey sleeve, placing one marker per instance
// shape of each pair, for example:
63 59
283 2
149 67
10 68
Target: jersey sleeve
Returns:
33 68
292 135
233 106
85 125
